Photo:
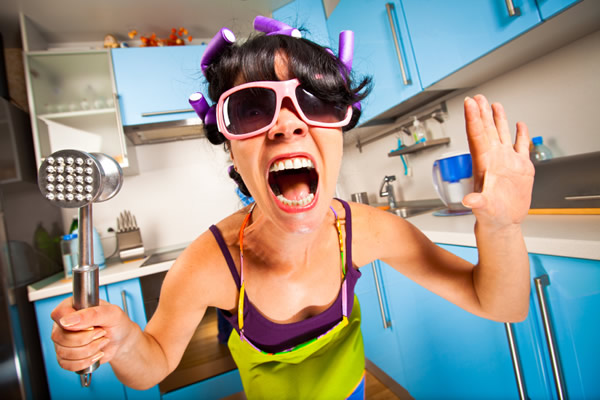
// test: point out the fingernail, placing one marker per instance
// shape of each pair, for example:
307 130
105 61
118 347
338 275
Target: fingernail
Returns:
99 335
70 320
97 357
467 98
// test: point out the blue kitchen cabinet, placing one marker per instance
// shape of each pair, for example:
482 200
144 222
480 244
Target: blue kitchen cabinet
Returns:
448 35
380 337
154 83
448 352
214 388
549 8
64 384
570 290
382 49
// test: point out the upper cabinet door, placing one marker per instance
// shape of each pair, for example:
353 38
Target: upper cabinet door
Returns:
382 49
154 83
447 35
549 8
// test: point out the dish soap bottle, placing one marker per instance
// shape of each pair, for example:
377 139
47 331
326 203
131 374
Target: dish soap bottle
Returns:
539 152
418 131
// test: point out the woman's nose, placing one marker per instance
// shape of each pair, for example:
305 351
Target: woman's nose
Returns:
288 123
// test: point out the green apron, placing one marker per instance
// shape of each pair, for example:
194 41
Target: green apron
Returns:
330 367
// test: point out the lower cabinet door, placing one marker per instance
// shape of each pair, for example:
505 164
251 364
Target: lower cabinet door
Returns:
62 383
213 388
446 351
379 335
570 290
128 296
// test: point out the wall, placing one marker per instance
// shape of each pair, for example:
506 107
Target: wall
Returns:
182 189
557 95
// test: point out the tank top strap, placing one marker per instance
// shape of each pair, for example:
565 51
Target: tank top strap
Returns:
225 250
348 233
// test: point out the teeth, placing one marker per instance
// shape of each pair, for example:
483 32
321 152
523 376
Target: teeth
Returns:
296 203
291 163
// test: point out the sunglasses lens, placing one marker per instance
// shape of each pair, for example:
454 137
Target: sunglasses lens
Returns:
249 110
319 110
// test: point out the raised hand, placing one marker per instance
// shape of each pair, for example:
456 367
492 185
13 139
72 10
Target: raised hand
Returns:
503 173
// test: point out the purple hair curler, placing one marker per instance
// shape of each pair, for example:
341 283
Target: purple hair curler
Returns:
217 44
271 26
199 104
346 49
211 116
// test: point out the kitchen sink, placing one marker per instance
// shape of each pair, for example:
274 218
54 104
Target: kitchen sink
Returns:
406 209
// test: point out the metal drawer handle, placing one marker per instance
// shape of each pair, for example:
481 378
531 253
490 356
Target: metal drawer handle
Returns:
586 197
124 298
512 10
386 323
514 355
390 8
540 282
155 113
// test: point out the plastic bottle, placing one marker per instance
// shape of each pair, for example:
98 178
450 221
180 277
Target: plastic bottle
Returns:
539 152
418 131
99 258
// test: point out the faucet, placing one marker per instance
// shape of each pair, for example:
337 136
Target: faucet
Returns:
387 190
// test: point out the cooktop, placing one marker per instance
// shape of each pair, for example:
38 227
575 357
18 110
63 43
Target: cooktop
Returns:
162 257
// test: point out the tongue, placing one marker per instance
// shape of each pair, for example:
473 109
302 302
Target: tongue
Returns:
293 186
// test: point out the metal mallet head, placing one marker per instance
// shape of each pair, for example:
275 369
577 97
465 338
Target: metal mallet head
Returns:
76 179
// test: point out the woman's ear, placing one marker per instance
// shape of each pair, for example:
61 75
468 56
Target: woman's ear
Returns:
230 151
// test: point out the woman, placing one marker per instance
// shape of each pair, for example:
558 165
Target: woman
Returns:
284 268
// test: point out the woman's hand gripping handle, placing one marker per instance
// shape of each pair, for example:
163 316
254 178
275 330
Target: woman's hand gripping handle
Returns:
84 337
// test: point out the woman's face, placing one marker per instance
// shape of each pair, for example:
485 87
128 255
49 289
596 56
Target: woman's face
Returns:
292 169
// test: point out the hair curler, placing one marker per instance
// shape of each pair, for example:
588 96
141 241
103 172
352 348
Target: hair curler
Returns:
346 49
271 26
76 179
199 104
225 37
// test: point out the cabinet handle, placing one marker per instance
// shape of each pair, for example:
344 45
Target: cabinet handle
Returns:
390 8
514 355
124 298
386 323
155 113
540 282
512 10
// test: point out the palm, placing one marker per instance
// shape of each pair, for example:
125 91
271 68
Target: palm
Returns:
502 172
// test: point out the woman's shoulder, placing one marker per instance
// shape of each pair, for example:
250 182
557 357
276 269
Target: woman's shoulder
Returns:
201 267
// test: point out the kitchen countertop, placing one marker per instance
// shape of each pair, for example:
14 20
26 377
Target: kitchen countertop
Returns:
560 235
115 271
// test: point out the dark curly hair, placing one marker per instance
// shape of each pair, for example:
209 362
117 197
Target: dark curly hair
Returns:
314 66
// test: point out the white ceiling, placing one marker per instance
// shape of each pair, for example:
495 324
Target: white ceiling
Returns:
67 21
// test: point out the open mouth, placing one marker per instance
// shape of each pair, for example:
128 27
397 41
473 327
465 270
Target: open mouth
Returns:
294 181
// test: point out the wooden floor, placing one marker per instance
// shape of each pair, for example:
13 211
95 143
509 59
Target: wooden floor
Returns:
206 357
375 390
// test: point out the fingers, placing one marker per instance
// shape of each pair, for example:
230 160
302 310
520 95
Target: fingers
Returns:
501 124
87 318
522 140
478 140
76 358
487 119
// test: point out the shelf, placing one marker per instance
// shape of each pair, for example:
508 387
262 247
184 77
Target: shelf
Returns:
76 114
419 146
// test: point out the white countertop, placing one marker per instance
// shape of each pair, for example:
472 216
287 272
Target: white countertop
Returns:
559 235
115 271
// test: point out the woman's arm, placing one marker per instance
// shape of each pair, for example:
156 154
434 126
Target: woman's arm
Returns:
141 359
498 286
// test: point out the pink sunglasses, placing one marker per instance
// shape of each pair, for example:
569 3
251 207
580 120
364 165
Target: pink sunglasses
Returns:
252 108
